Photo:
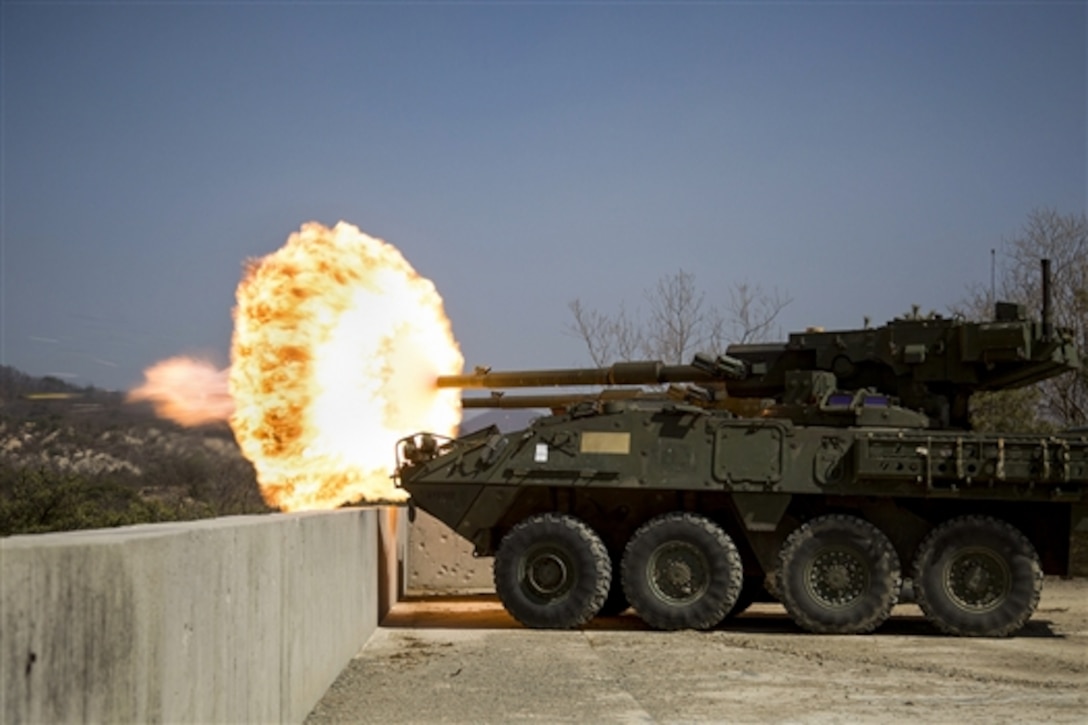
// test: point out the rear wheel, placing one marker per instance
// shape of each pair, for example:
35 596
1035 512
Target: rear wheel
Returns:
552 572
977 576
681 571
838 574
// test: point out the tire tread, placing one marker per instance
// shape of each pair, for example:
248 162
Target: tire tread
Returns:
690 616
572 614
931 604
891 580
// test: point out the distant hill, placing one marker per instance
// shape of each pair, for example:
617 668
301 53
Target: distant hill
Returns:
23 396
80 457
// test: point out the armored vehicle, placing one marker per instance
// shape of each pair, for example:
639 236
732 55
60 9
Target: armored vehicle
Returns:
825 470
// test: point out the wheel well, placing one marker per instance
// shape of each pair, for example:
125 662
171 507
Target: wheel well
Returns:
906 521
615 514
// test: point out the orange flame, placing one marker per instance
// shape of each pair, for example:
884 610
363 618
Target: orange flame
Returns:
337 344
187 391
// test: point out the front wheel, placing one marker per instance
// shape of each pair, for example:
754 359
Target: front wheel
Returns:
977 576
838 574
552 571
681 571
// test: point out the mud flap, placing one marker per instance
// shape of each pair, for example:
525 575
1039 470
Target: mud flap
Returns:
761 515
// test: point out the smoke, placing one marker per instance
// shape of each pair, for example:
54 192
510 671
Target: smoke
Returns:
187 391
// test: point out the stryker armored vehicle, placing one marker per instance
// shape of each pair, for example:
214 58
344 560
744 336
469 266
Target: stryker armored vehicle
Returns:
824 470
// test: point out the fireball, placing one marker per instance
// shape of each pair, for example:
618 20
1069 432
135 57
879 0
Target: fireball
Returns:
337 343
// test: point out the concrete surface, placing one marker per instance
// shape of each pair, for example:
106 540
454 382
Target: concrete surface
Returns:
440 561
226 620
392 557
464 660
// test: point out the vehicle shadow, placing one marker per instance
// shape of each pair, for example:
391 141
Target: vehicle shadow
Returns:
485 611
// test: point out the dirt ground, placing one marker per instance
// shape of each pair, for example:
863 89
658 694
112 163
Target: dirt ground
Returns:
463 659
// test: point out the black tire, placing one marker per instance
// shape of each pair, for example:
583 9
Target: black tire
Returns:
552 572
616 602
838 574
751 591
681 571
977 576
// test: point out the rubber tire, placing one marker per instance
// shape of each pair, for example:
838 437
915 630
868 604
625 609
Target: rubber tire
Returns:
616 602
585 586
724 574
750 591
871 607
938 553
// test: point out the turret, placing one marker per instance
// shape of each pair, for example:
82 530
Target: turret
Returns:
929 363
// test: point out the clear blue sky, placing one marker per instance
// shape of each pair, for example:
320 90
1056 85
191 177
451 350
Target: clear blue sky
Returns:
860 157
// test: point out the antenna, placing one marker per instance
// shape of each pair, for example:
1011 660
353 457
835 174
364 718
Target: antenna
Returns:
993 276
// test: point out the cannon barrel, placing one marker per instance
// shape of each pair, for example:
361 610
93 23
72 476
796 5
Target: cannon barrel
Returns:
553 401
650 372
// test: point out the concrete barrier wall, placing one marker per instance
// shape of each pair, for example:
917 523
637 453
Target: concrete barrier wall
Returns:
441 562
392 557
238 619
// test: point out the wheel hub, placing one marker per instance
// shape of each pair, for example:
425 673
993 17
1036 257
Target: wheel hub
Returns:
679 572
977 579
547 573
837 577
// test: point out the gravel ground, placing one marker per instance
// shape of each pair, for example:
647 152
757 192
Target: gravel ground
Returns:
463 659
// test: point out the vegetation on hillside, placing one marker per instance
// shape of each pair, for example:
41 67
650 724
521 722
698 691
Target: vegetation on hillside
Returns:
78 458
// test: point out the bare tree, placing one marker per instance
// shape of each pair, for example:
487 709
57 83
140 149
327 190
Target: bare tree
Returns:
608 338
678 323
1063 240
1062 401
753 311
